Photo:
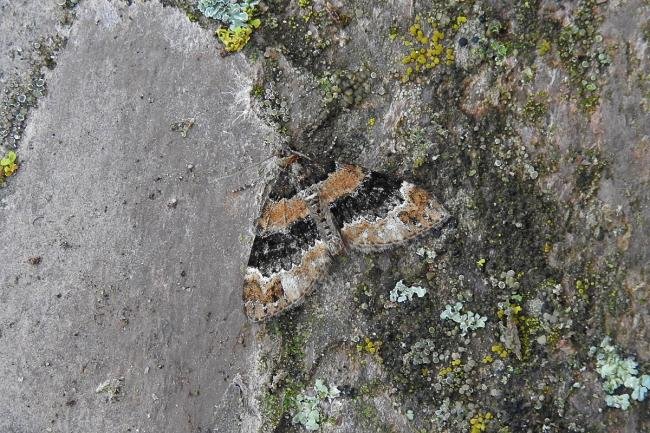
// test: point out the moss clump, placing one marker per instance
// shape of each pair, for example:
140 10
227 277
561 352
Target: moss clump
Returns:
528 328
346 87
287 370
544 47
589 172
192 15
536 107
369 418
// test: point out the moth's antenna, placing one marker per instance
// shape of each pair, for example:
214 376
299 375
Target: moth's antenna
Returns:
286 150
248 167
300 154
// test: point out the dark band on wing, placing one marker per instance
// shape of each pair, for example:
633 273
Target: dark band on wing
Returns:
277 251
282 188
375 197
309 174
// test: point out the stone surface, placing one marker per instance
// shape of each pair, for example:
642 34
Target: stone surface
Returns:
140 237
24 22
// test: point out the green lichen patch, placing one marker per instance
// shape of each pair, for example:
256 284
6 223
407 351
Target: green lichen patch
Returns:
309 406
622 382
583 53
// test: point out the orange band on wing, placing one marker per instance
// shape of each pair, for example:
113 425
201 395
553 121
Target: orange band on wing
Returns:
280 214
343 181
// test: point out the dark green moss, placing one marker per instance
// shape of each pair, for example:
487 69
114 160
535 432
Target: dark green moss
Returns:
536 107
591 166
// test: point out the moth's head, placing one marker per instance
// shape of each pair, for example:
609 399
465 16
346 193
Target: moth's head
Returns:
302 170
295 163
286 155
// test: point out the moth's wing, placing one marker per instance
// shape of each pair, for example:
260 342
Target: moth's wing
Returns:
375 211
288 255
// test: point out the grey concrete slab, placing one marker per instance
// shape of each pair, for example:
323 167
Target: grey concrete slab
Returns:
139 237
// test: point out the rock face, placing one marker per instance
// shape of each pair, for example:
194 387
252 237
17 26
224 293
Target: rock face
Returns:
138 235
144 155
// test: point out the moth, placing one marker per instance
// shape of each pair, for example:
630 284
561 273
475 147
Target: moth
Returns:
315 211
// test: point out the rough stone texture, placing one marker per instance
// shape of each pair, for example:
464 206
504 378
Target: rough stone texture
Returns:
532 130
139 275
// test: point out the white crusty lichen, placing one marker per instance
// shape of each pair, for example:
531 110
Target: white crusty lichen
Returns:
468 321
308 405
429 255
422 352
112 388
618 375
402 292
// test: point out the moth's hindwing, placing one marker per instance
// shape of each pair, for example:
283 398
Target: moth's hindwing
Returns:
369 211
385 211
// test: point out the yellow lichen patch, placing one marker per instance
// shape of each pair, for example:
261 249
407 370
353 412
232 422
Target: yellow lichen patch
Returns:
8 165
454 367
369 346
428 47
343 181
500 350
479 422
234 40
280 214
